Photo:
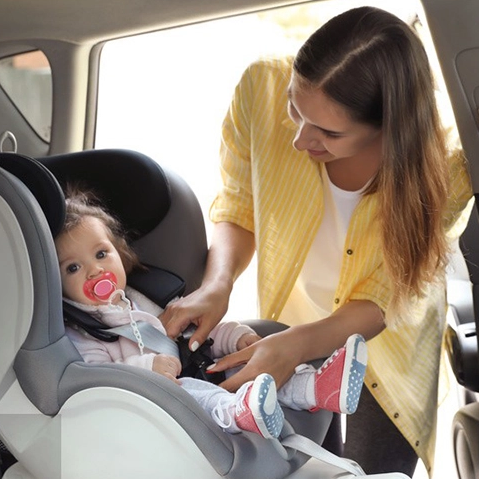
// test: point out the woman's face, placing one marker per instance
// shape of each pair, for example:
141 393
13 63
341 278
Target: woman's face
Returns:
327 132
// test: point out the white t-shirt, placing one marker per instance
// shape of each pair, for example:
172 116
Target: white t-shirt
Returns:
313 293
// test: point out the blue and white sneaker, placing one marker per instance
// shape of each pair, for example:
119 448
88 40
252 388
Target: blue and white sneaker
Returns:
257 408
338 382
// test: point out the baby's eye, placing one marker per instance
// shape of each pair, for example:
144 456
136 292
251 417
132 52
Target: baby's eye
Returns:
72 268
101 254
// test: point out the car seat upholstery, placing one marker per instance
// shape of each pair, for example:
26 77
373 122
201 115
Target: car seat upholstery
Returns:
61 417
462 347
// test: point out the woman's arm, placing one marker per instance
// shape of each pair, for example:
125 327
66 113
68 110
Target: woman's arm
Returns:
280 353
231 250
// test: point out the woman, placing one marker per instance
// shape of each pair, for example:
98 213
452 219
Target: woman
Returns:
336 174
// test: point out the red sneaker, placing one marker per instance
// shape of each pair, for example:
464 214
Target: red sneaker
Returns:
257 408
338 382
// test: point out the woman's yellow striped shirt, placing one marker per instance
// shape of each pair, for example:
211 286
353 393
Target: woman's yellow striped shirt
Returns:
275 191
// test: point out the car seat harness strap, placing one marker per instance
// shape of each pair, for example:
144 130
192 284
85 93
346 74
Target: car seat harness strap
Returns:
305 445
149 336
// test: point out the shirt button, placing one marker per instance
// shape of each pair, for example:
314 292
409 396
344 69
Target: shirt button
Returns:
396 415
336 300
375 385
349 251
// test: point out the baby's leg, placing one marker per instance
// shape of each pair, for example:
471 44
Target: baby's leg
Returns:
254 407
298 392
335 386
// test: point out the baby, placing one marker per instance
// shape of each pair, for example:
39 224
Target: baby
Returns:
94 260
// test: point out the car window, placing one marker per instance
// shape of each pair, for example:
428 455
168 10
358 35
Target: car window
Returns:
27 80
166 93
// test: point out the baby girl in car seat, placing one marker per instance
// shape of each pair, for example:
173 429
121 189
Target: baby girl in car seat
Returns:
95 258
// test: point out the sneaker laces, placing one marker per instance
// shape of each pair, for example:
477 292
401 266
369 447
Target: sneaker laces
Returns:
328 361
221 414
223 411
240 398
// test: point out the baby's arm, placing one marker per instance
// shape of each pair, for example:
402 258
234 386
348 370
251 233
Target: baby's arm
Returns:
93 350
231 336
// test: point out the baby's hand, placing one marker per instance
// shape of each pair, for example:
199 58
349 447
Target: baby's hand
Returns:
167 366
247 340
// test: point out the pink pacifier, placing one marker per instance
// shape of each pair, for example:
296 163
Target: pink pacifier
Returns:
100 288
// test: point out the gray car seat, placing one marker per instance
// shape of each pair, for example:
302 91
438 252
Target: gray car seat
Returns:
462 348
61 417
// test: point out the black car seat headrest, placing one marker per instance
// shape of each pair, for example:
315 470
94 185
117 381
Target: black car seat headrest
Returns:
42 183
128 182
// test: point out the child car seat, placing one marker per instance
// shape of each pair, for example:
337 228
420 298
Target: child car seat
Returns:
63 418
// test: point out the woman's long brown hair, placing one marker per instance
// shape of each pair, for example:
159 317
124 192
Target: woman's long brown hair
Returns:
373 64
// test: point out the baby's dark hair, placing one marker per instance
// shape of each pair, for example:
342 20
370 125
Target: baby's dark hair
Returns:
81 203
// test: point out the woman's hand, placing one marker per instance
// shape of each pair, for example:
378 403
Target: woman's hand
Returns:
273 355
167 366
204 307
279 354
230 252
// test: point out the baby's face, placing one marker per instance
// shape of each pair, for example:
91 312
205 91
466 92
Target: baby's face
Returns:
85 254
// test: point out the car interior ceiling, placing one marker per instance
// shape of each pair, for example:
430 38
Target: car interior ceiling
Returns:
91 21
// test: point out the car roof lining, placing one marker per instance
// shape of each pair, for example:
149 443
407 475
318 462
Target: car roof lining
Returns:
91 21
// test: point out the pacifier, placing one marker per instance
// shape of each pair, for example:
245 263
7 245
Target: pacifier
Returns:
100 288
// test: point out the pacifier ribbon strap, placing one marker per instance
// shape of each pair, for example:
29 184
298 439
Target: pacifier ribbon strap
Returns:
152 338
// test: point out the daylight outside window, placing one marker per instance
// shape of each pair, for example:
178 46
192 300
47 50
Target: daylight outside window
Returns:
165 94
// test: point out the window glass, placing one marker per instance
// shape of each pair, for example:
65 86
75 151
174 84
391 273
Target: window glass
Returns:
27 80
165 94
